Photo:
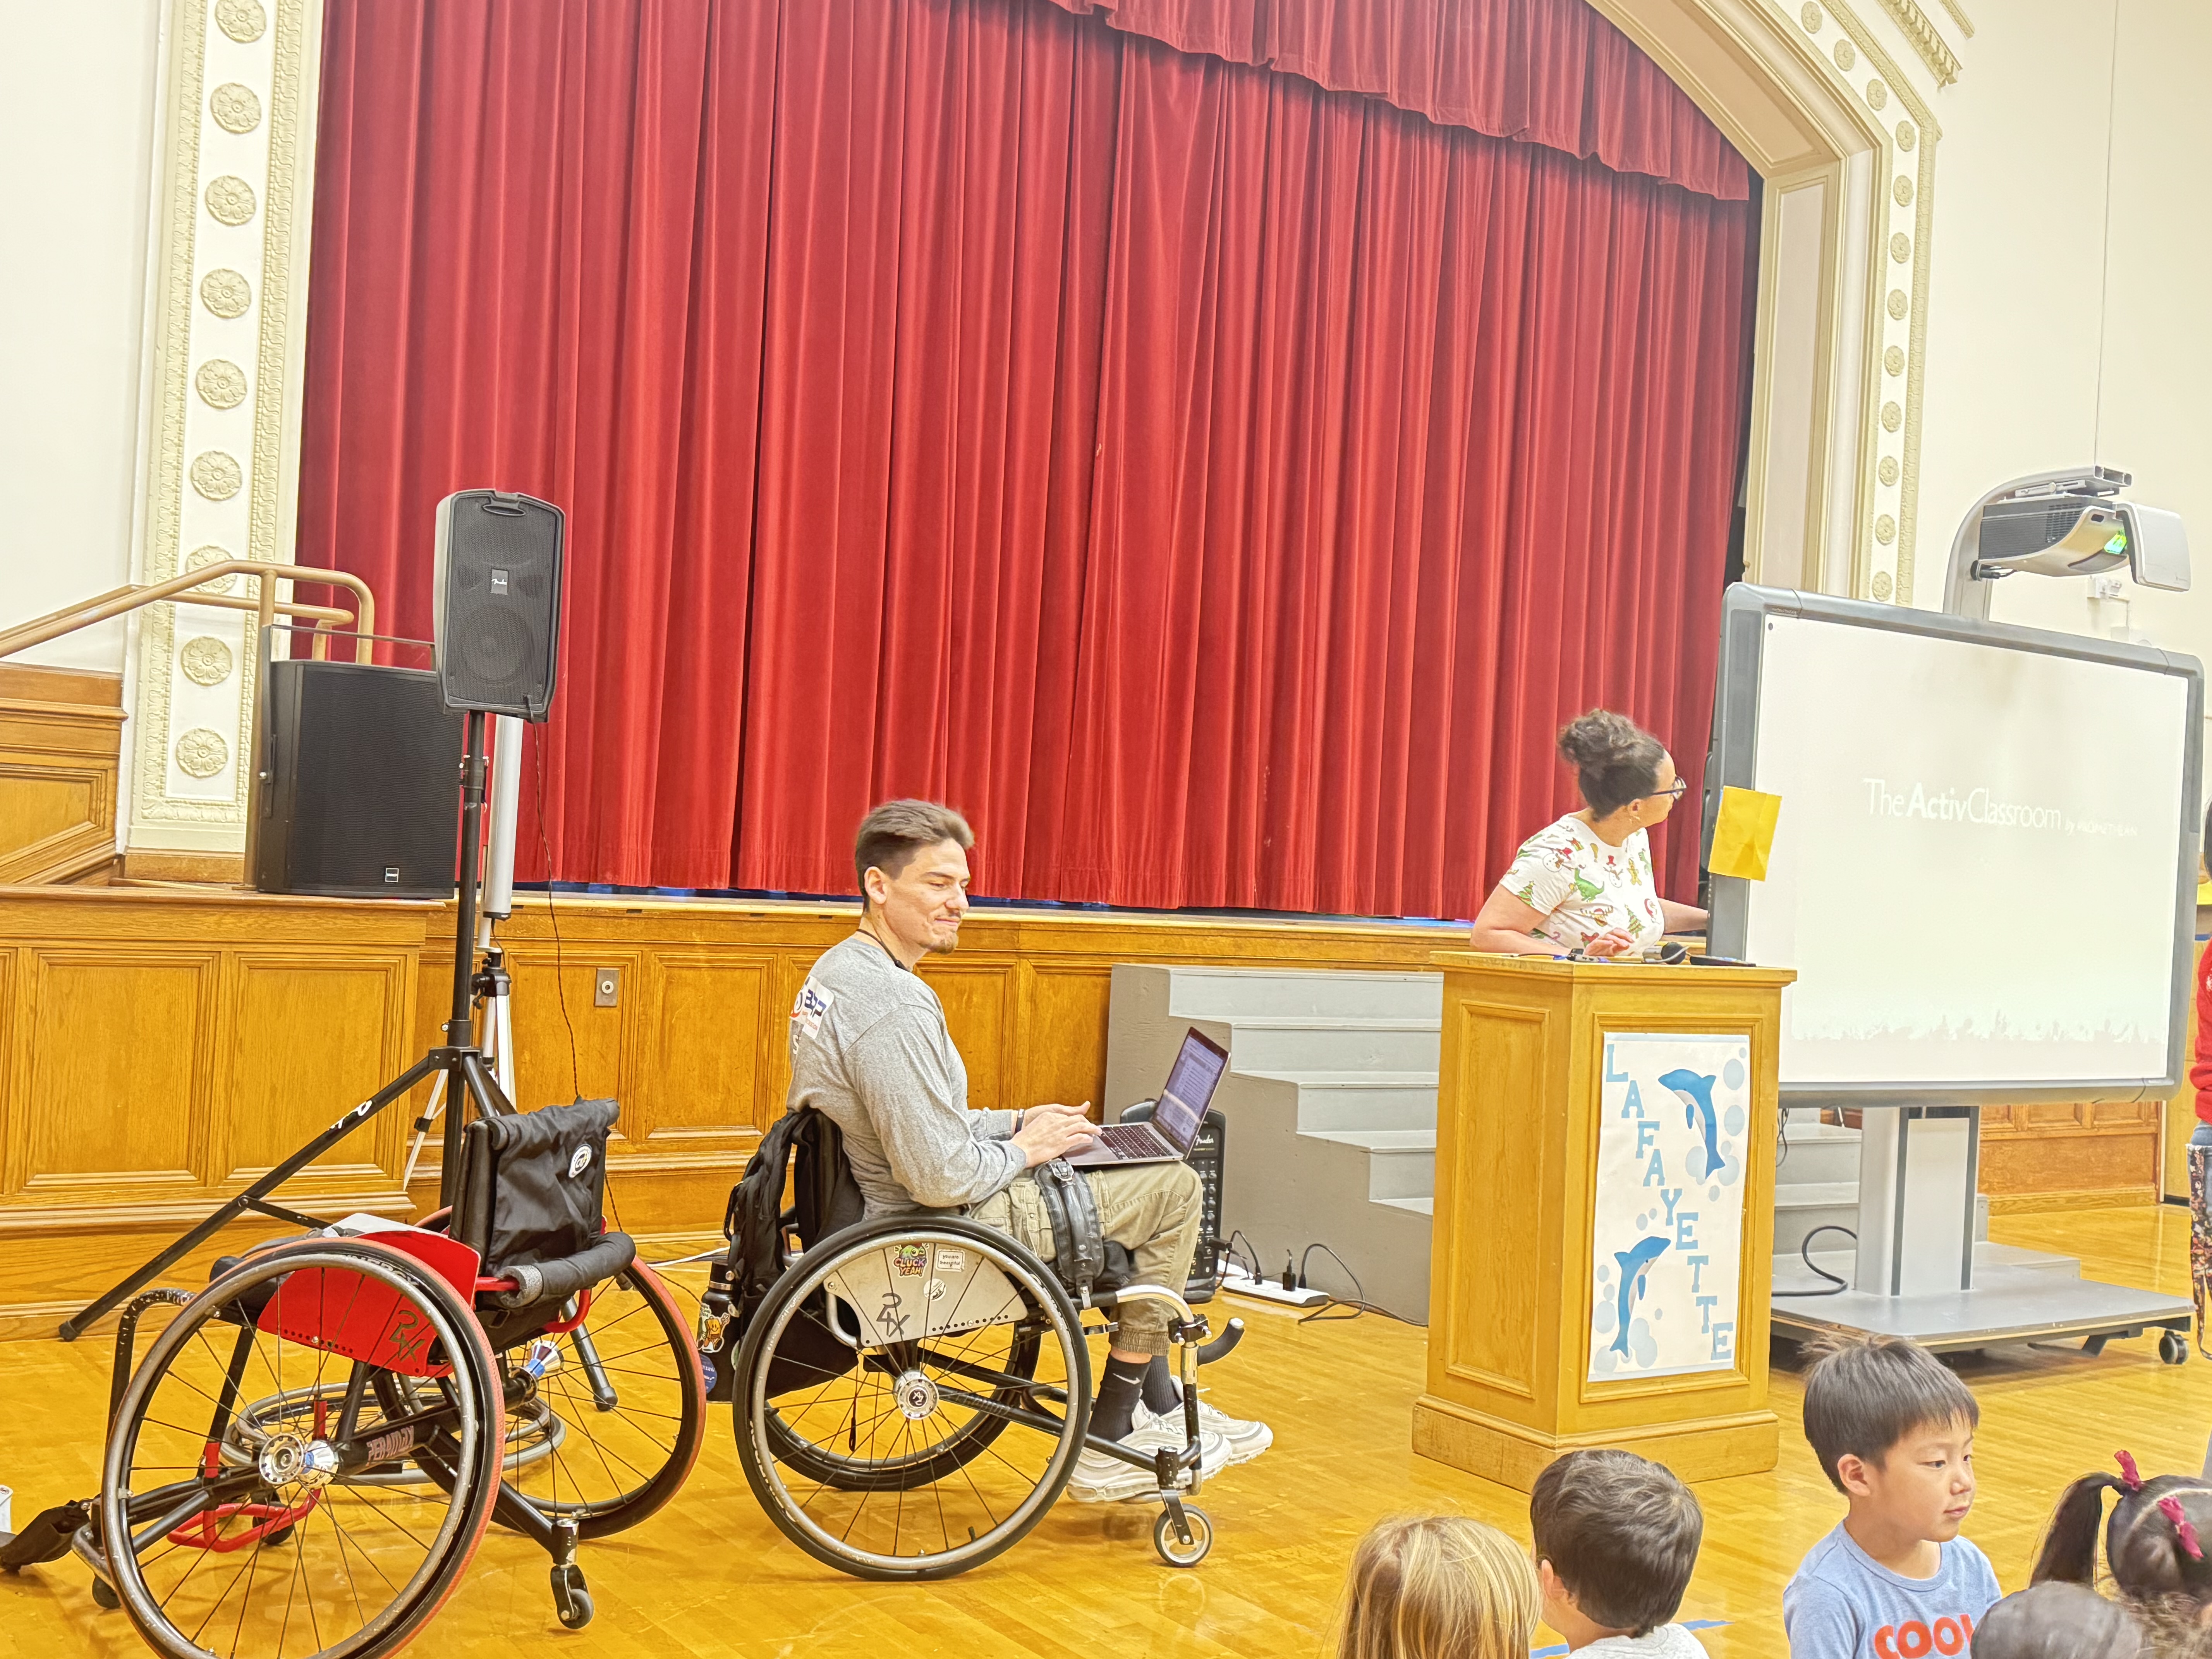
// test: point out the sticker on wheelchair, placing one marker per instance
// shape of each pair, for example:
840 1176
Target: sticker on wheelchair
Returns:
889 1295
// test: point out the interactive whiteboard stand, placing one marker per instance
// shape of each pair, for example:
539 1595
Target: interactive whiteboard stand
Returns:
1921 1275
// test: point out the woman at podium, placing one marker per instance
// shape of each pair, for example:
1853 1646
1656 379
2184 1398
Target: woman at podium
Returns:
1585 883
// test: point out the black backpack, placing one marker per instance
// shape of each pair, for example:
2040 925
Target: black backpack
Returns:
811 1149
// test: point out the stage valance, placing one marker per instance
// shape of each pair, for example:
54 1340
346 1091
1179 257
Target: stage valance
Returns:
1550 72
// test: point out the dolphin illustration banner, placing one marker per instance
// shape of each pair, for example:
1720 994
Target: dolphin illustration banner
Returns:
1667 1210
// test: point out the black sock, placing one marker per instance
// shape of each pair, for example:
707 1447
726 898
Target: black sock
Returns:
1119 1390
1161 1393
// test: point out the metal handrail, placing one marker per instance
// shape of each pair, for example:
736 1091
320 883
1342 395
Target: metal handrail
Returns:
119 600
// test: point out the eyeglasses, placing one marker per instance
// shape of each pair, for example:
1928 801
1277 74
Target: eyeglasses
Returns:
1675 790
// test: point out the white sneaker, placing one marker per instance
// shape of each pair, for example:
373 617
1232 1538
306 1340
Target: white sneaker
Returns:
1246 1439
1099 1478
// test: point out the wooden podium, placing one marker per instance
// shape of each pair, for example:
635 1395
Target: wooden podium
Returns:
1604 1227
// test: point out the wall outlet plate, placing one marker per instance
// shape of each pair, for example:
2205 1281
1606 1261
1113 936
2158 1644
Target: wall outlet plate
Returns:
606 986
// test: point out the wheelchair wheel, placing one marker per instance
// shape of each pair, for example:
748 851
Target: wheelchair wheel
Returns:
189 1499
617 1418
879 1371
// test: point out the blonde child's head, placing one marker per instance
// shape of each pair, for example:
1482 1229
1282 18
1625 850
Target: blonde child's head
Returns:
1437 1587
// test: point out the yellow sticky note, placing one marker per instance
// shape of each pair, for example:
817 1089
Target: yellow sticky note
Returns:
1743 835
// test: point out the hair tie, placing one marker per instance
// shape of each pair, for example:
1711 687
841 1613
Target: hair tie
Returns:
2170 1509
2128 1473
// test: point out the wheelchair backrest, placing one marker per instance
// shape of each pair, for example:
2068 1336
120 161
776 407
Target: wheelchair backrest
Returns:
533 1186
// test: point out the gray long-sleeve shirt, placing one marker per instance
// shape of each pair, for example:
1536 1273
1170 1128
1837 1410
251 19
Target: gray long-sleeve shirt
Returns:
869 1047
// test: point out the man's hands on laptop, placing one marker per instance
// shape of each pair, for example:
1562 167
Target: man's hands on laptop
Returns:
1050 1131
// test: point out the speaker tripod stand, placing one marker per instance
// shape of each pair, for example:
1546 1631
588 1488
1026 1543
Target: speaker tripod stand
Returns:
464 1071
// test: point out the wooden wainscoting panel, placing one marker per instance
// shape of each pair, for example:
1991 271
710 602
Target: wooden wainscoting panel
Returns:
557 1012
710 1050
2086 1155
308 1036
121 1048
1063 1035
975 995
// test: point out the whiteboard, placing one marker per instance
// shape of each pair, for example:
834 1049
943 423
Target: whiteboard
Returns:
1975 872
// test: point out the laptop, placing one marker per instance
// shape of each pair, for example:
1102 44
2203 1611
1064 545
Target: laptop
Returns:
1177 1115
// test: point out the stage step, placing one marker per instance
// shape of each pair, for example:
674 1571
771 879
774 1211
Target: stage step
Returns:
1331 1102
1362 1100
1267 993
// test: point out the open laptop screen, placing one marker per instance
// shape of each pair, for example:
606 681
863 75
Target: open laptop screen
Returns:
1190 1090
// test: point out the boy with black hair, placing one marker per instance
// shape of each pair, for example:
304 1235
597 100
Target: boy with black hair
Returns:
1894 1432
1616 1537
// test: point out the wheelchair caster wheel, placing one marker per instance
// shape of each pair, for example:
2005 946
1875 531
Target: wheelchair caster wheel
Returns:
103 1595
1172 1549
570 1599
281 1535
2171 1348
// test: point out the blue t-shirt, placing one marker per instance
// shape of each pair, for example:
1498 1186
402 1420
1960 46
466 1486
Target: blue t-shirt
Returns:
1843 1604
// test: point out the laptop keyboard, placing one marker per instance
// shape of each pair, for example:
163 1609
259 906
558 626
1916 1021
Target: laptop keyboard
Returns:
1130 1139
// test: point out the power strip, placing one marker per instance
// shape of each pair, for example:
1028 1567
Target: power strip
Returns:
1237 1282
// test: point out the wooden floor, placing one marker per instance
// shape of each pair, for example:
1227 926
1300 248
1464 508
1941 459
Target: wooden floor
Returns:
709 1577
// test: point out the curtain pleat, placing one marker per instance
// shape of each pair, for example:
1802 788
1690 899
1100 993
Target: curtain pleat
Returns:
1218 486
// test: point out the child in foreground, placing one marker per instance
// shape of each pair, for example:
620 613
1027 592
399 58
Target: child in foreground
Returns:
1894 1432
2156 1548
1616 1537
1437 1587
2058 1621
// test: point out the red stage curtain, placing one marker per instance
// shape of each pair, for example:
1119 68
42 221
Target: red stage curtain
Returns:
1218 486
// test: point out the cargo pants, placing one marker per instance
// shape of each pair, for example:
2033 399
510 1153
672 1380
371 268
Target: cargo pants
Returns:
1152 1210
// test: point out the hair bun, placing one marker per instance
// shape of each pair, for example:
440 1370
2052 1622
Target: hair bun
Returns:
1600 739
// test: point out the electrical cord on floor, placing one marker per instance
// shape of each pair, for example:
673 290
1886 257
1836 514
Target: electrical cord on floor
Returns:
1836 1285
1357 1301
1251 1259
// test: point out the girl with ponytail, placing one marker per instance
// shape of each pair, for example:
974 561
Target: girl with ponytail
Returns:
2156 1540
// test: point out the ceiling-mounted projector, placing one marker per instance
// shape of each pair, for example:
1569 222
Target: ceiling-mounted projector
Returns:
2069 535
2063 524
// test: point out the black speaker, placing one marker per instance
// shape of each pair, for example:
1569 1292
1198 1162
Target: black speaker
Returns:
358 797
498 594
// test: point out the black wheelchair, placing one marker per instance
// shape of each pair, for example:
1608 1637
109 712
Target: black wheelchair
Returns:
316 1443
880 1376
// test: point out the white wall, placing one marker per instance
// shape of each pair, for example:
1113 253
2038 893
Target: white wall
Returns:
77 98
2025 312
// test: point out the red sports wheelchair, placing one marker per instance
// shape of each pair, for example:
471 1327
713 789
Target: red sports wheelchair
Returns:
316 1443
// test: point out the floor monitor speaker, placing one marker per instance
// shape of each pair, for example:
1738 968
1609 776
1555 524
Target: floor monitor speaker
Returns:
498 598
357 798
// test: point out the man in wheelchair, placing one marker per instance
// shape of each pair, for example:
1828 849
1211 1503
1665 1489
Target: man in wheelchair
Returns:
870 1050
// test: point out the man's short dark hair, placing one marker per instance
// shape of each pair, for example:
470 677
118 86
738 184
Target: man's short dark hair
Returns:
891 835
1862 1396
1622 1533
